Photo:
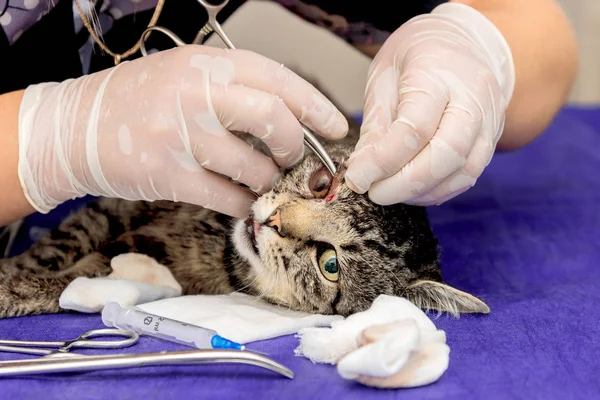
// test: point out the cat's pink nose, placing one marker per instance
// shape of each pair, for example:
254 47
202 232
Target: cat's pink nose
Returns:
274 222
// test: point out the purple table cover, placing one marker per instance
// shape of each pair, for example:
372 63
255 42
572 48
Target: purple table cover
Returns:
526 239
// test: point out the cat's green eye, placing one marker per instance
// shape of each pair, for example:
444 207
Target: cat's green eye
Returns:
328 264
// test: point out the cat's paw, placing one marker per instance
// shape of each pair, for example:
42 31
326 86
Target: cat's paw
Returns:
142 268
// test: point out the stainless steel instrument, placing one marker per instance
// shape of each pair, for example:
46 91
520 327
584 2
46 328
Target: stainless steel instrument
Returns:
83 363
62 360
213 25
85 341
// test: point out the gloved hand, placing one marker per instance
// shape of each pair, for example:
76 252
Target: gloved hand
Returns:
435 104
158 128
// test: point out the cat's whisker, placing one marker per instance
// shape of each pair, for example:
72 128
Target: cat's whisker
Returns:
280 267
398 282
240 290
290 294
257 277
260 292
272 278
251 283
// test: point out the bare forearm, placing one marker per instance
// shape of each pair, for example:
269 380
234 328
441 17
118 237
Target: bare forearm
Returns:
546 62
13 204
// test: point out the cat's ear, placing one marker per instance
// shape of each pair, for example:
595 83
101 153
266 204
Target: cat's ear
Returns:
432 295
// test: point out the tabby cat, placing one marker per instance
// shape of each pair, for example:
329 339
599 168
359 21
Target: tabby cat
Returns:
311 244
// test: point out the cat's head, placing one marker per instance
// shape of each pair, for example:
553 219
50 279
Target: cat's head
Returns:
315 245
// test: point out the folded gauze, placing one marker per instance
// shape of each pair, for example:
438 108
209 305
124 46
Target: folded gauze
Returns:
237 316
393 344
138 280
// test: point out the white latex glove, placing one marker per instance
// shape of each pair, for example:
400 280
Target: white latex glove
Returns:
158 128
434 110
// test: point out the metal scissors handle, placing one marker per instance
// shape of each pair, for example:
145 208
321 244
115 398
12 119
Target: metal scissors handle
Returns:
85 340
309 136
213 25
212 11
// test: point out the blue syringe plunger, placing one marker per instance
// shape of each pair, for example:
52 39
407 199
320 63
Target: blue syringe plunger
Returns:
219 342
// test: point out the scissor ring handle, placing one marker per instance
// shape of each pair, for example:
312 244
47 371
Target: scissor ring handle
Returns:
83 341
178 42
209 6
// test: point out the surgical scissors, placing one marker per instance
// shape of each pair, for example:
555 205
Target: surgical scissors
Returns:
85 340
60 360
213 25
85 363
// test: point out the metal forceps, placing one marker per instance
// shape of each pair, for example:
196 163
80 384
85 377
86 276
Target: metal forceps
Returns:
213 25
61 360
85 340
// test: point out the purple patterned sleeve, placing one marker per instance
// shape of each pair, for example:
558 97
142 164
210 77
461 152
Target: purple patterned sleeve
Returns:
356 26
16 16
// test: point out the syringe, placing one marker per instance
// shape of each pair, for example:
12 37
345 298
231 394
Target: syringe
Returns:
137 320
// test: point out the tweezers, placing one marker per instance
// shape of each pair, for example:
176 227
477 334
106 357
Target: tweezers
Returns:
71 362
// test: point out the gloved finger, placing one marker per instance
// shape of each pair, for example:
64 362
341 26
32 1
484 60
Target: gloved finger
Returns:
252 111
426 200
446 153
480 156
211 191
238 160
463 179
381 99
381 154
303 99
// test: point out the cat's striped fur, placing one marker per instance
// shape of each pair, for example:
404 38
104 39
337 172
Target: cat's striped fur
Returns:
380 250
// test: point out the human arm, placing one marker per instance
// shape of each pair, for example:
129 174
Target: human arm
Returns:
546 61
159 128
433 123
13 204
